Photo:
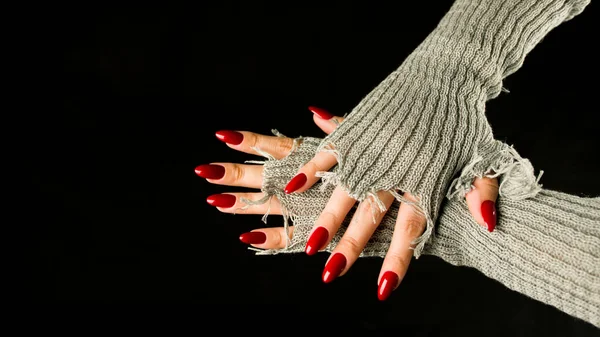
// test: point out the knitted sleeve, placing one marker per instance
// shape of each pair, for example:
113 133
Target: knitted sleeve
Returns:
425 124
546 246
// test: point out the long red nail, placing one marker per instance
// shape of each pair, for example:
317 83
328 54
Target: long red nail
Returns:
298 181
316 241
388 283
210 171
488 211
221 200
334 267
322 113
253 238
230 137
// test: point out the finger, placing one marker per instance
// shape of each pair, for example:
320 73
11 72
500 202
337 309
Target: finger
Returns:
306 176
231 174
267 238
481 201
329 220
237 203
249 142
409 226
364 222
325 120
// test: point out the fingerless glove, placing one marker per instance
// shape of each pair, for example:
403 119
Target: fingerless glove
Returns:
546 246
423 129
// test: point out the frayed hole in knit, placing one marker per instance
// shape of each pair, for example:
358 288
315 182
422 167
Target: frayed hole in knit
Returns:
332 178
419 243
516 174
288 217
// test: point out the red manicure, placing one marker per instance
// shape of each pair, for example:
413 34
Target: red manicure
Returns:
316 241
298 181
388 283
230 137
488 211
334 267
322 113
253 238
221 200
210 171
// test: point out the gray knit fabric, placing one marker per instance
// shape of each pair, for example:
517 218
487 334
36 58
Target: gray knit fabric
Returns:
546 246
425 123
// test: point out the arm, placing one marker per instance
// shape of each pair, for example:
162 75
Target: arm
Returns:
425 123
546 247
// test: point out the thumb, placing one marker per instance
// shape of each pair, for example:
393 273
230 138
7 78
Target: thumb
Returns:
481 201
325 120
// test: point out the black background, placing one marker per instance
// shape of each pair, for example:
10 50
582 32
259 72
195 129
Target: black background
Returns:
136 96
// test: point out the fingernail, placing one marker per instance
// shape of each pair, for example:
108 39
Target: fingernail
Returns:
334 267
488 211
230 137
317 240
221 200
210 171
388 283
298 181
253 238
322 113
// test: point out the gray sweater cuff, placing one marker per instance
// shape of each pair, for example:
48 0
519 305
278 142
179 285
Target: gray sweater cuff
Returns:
546 246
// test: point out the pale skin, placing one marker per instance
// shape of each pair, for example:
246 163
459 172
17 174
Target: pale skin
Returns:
409 223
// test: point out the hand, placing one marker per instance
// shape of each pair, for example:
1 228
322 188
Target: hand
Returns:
409 224
357 233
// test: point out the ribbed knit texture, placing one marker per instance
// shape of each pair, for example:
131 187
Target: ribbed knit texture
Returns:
546 246
425 123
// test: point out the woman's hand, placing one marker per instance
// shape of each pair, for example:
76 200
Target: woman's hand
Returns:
409 223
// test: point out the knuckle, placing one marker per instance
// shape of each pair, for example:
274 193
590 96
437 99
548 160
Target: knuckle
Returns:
284 145
252 140
277 238
328 217
413 226
236 174
489 183
402 260
368 210
311 166
351 245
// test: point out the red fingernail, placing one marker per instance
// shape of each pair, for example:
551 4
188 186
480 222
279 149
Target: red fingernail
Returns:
253 238
221 200
322 113
316 241
388 283
488 211
334 267
210 171
230 137
298 181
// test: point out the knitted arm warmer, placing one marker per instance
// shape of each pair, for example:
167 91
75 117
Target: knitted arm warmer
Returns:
546 247
425 123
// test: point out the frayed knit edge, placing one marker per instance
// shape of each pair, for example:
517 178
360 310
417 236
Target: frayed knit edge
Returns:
268 197
332 178
518 180
290 245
